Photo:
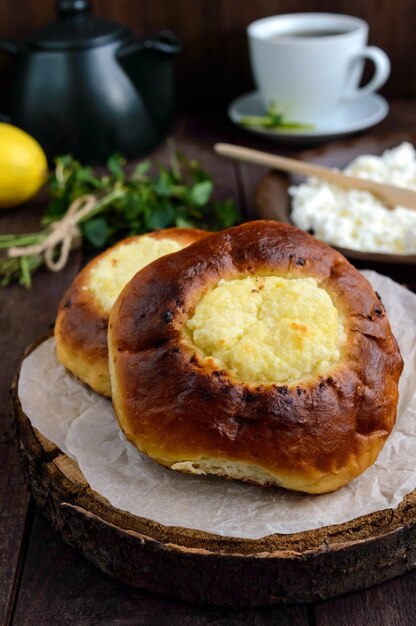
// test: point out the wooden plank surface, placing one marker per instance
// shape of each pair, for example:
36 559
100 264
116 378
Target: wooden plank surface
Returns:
14 504
60 587
392 604
46 582
24 315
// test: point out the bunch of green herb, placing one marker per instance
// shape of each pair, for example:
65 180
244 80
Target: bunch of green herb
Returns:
126 203
273 120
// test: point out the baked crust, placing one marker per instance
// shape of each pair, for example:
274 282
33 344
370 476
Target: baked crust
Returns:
82 322
314 435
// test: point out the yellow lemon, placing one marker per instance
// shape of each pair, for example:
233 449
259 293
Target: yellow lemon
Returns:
23 166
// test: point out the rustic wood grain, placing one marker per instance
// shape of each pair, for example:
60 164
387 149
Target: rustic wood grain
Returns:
235 54
214 64
67 590
14 503
393 604
23 315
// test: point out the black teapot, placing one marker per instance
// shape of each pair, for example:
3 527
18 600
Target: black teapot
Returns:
85 86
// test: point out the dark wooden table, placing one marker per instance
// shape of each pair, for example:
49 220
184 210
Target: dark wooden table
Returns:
42 580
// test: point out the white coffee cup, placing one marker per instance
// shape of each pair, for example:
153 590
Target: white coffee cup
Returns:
308 64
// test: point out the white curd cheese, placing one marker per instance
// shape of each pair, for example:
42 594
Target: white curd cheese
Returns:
356 219
268 329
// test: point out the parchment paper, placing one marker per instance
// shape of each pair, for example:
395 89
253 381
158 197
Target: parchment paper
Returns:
83 425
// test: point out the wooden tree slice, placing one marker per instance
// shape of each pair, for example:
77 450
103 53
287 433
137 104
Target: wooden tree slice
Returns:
206 568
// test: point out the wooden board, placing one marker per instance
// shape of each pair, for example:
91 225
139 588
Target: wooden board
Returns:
205 568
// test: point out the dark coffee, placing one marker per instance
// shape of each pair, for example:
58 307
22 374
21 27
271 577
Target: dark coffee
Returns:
294 34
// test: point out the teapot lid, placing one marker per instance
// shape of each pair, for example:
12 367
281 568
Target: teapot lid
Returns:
76 28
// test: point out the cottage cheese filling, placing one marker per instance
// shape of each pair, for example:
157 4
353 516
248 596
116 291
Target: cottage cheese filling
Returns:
267 329
112 273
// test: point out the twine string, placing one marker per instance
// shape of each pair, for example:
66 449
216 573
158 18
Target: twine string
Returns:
64 234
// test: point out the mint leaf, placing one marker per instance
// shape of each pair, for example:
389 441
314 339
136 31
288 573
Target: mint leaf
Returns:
227 213
161 216
86 175
201 193
96 231
115 165
182 222
141 169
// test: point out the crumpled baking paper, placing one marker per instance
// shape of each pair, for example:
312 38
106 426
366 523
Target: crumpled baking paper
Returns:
83 425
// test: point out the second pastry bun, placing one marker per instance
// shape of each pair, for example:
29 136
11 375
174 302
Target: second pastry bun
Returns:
82 321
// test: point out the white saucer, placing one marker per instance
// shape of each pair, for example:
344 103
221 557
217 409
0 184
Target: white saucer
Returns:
351 117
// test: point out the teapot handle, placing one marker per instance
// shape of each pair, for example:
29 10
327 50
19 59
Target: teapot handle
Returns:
164 41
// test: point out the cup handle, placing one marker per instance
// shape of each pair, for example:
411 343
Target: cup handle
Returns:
381 73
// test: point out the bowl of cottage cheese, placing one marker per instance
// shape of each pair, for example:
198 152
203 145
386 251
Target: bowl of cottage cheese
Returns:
353 221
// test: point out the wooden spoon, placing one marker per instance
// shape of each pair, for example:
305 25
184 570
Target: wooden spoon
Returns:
390 195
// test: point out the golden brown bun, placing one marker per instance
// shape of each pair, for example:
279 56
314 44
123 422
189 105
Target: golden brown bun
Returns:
82 321
314 435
